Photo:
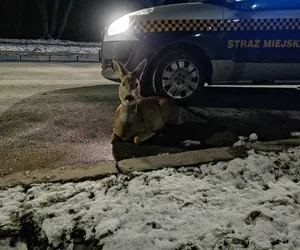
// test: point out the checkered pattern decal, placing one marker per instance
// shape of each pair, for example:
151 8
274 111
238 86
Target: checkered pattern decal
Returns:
266 24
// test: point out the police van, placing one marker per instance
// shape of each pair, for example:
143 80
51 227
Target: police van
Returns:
210 43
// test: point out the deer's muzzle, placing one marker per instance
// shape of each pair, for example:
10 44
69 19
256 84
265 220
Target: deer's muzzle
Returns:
129 98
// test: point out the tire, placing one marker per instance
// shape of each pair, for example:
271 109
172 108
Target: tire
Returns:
179 75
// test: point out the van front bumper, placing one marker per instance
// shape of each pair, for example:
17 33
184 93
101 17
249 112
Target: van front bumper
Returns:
130 53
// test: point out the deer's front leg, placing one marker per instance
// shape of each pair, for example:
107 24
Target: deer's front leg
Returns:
114 137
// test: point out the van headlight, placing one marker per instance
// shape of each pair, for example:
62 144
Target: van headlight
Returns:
119 26
123 23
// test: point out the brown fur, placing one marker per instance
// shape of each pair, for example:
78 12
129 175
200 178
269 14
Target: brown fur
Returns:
140 117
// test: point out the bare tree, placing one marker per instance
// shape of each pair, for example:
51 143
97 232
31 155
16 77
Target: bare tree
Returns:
54 17
56 29
21 13
61 28
13 10
44 16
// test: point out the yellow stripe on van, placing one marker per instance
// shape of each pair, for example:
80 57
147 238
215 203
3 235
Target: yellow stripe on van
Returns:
217 25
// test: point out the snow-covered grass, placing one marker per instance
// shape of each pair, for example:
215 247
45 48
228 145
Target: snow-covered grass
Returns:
295 134
49 46
251 203
51 41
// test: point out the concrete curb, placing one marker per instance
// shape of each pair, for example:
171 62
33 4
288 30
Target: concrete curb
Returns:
8 56
275 145
101 170
178 159
61 174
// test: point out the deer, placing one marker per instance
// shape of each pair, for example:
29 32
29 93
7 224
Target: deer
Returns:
137 117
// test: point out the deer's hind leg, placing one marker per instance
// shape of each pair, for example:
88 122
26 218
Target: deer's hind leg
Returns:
170 112
143 136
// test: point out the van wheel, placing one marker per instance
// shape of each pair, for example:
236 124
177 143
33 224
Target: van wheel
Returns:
179 75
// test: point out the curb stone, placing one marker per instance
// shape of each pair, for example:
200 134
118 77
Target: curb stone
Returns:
9 56
101 170
274 145
35 58
91 58
179 159
62 58
60 174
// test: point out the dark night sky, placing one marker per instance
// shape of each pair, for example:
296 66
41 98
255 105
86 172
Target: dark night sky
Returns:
86 20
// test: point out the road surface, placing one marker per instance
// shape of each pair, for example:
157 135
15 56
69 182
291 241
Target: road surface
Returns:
21 80
59 114
54 114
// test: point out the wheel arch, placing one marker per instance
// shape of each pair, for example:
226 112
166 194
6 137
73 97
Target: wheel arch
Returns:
204 55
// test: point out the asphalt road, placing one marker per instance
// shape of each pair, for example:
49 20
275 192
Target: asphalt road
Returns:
58 114
54 114
21 80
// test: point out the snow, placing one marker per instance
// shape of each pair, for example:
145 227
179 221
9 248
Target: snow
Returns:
295 134
188 143
49 46
250 203
4 245
253 137
50 41
243 139
239 143
11 200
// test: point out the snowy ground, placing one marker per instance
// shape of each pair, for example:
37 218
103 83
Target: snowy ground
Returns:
251 203
49 46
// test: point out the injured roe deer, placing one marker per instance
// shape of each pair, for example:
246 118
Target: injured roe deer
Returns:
137 117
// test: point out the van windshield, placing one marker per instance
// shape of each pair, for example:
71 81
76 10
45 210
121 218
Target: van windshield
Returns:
256 5
217 2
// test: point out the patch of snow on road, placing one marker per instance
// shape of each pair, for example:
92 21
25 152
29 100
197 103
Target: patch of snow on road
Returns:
188 143
253 137
242 140
239 143
250 203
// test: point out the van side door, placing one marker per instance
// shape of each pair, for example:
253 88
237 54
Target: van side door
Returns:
262 40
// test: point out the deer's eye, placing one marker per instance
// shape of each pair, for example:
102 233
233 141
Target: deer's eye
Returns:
123 83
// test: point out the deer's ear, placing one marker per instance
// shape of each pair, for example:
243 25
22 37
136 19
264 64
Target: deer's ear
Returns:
139 70
119 68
